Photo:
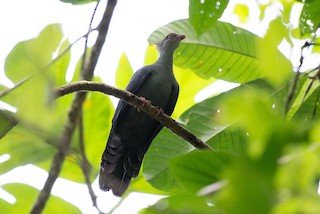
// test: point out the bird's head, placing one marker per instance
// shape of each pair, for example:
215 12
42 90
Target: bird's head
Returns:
170 42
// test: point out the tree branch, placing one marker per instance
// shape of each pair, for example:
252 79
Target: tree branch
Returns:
74 112
136 102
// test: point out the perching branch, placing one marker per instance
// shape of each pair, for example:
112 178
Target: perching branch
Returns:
74 112
136 102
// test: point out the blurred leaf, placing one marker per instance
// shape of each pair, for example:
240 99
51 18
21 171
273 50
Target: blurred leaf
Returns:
309 18
57 71
181 204
77 2
303 204
204 14
124 72
22 143
35 105
198 169
304 161
7 122
98 111
242 12
247 191
33 55
309 109
155 165
140 184
277 67
224 51
204 120
316 47
25 198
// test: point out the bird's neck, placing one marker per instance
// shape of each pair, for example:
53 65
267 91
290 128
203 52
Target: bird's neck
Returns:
166 60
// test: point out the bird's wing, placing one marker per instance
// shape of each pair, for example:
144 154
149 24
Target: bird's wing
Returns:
168 110
135 83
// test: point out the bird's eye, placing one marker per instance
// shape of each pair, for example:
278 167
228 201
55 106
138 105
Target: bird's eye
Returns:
170 35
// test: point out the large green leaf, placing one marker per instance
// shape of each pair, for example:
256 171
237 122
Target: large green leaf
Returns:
205 120
25 145
224 51
155 166
231 140
198 169
57 71
33 55
76 2
25 198
204 14
309 17
181 204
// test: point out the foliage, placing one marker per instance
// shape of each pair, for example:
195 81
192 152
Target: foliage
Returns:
265 132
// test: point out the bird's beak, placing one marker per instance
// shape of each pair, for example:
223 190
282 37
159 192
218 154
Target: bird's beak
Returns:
181 37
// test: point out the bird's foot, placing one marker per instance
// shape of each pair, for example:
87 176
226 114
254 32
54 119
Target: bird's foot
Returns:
160 111
144 102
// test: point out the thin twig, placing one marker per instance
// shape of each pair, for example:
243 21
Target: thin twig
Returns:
85 165
74 112
137 103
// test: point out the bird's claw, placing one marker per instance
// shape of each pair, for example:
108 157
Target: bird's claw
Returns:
160 111
144 102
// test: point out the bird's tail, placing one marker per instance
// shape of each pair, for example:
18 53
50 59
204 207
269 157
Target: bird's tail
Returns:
118 166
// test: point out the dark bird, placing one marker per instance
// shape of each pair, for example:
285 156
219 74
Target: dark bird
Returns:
132 130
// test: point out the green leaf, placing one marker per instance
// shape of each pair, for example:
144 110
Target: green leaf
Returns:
198 169
77 2
224 51
309 18
309 109
181 204
155 165
7 122
22 143
205 120
124 72
248 190
98 111
203 14
25 198
33 55
231 140
277 67
57 71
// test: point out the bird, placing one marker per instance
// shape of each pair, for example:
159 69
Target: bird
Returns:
133 130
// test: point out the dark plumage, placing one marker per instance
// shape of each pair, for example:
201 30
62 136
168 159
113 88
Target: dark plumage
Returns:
133 131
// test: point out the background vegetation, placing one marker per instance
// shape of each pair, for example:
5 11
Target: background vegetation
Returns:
265 131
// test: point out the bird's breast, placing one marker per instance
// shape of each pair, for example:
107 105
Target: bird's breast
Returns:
158 89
